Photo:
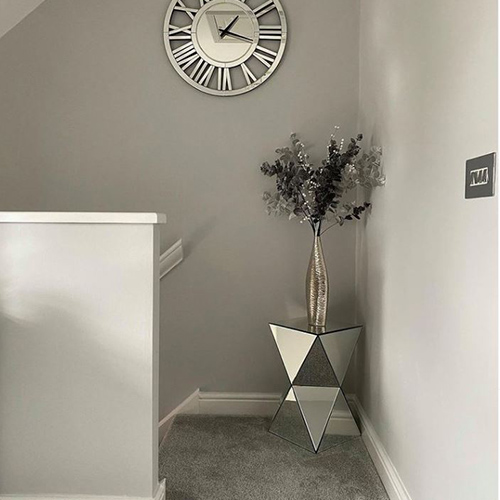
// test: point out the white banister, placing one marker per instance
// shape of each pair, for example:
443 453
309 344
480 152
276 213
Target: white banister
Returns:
79 335
171 258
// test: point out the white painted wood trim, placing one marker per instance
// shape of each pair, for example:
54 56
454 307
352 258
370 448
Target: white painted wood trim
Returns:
233 403
387 471
82 218
171 258
239 403
161 491
221 403
159 495
190 405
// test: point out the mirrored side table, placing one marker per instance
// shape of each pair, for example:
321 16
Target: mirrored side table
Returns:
314 413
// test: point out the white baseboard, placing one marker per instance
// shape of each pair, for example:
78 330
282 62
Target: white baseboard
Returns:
159 495
221 403
387 471
171 258
189 406
161 491
232 403
239 403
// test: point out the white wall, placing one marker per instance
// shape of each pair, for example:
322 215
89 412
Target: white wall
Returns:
93 117
14 11
79 325
427 272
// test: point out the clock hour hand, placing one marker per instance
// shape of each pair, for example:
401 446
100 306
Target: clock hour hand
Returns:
227 29
236 35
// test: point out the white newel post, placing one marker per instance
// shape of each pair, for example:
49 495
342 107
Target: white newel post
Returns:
79 299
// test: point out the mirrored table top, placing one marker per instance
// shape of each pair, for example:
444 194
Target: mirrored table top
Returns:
302 325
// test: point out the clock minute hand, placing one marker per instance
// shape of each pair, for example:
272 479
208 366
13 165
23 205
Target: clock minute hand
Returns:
226 30
236 35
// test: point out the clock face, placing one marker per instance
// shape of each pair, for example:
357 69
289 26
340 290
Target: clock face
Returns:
225 47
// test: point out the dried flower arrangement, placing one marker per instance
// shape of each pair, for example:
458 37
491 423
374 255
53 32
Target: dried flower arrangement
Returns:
314 194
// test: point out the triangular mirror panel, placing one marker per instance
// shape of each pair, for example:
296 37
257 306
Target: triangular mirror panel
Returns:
293 347
339 347
316 404
316 370
289 424
341 425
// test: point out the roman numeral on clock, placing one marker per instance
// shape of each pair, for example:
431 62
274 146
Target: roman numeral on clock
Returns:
181 7
185 55
202 73
265 56
224 79
270 32
179 33
264 8
249 76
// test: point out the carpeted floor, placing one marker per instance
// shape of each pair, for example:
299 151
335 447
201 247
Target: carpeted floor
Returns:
235 458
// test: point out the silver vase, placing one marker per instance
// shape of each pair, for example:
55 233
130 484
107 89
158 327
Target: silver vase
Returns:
317 286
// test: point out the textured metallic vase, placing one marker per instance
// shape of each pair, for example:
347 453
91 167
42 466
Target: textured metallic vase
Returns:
317 286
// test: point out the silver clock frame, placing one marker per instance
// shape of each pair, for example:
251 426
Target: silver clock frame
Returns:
226 93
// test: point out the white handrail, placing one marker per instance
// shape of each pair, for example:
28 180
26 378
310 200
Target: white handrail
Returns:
171 258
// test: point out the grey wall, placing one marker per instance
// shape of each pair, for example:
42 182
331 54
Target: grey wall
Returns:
14 11
93 117
427 268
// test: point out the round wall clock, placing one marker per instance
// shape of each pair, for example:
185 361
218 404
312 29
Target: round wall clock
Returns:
225 47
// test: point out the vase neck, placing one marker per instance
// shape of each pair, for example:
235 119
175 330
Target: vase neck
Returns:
316 229
317 246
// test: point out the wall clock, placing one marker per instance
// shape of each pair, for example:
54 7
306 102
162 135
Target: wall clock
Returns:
225 47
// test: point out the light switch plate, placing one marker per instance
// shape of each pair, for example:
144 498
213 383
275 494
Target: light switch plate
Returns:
480 176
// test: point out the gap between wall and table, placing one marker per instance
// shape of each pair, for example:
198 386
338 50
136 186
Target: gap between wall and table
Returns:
266 404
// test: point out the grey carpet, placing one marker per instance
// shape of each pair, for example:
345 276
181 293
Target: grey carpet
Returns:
235 458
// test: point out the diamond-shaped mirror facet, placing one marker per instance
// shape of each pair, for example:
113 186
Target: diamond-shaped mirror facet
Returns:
293 347
339 347
289 423
316 369
316 404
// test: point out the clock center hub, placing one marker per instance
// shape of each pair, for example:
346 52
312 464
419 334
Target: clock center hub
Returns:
225 32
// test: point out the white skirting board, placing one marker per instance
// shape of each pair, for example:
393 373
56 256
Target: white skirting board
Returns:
266 404
387 471
190 405
160 495
246 403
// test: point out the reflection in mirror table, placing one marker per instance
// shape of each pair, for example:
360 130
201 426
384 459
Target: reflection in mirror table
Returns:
314 413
